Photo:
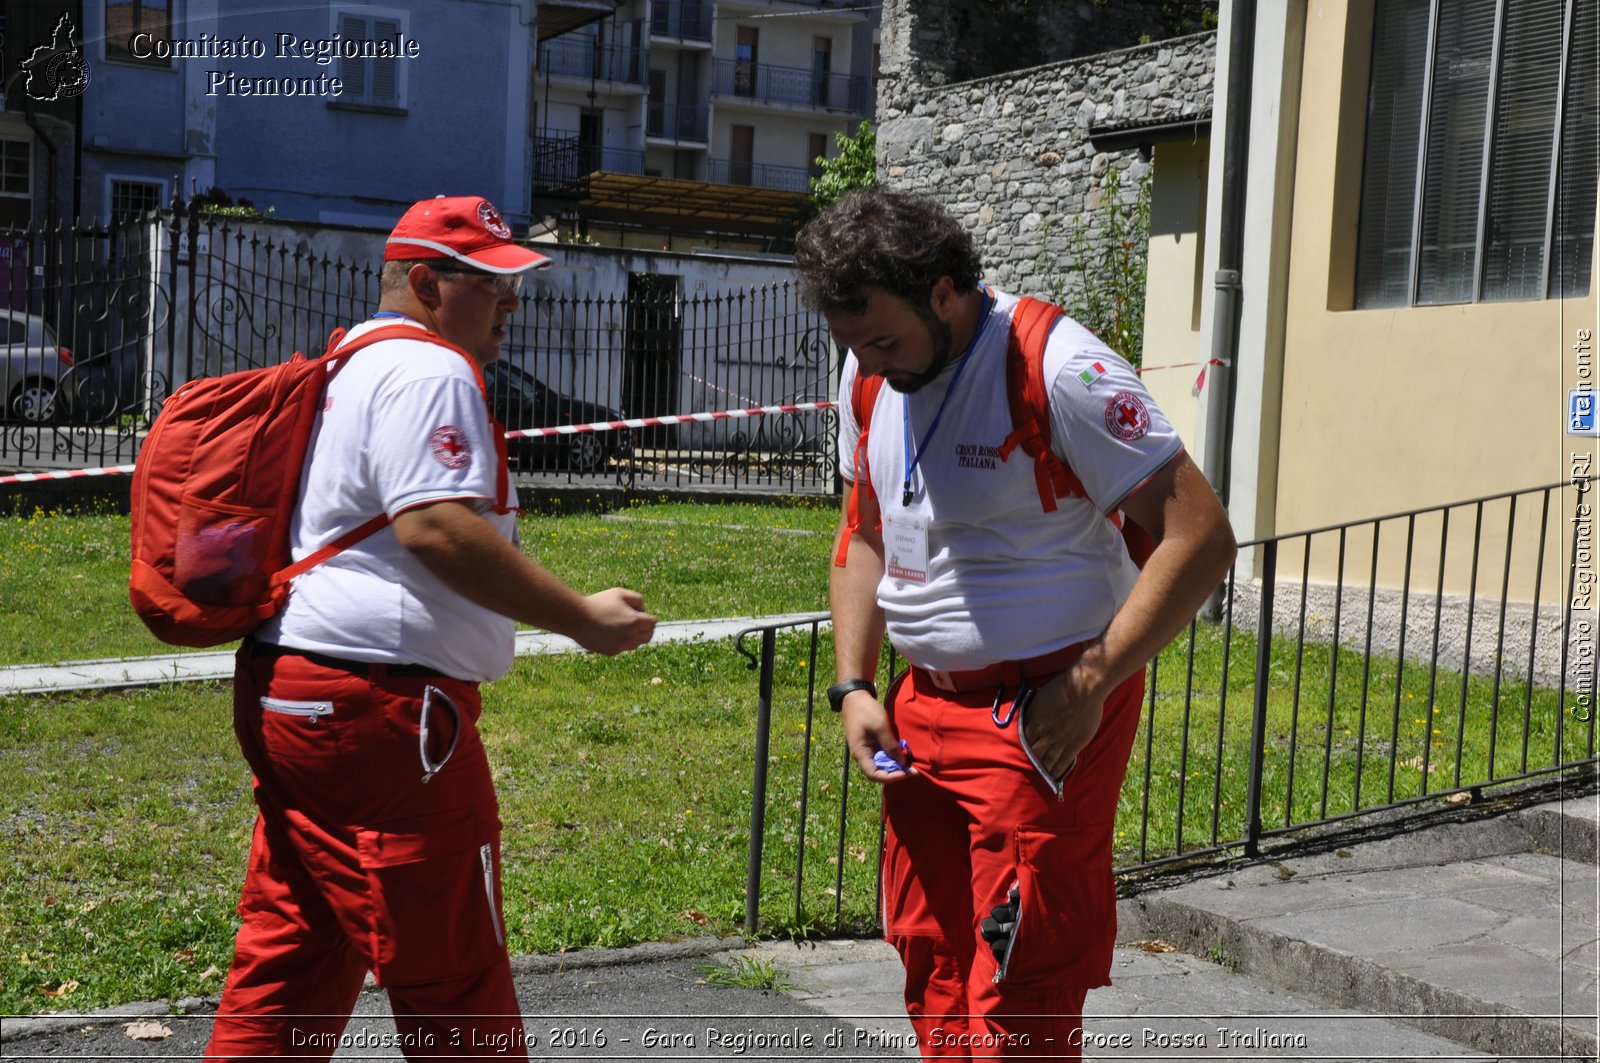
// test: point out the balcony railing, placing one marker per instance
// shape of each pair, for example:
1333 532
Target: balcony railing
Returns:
580 57
853 7
684 122
795 86
688 20
561 162
758 175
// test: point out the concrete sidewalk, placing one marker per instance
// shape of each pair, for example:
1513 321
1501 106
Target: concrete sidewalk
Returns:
1472 940
117 672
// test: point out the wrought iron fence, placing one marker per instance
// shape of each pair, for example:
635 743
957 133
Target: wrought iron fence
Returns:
141 308
1346 670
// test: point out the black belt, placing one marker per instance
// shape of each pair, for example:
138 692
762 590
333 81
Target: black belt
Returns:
369 669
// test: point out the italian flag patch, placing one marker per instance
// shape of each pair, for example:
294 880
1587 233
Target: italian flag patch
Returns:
1091 374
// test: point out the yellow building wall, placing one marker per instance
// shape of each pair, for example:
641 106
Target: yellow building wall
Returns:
1395 409
1172 281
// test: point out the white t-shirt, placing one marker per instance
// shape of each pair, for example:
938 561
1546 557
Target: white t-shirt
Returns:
403 424
1004 579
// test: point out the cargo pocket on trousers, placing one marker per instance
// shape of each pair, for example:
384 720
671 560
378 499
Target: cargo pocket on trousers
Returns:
1067 918
433 885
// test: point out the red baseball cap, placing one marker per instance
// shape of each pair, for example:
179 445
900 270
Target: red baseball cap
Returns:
466 228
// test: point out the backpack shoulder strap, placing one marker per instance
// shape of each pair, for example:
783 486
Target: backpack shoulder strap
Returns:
338 348
863 397
1029 396
341 349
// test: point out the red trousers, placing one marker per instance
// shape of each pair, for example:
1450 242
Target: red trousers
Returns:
357 864
977 820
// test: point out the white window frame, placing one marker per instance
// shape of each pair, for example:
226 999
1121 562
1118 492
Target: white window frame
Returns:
371 16
110 55
28 144
114 179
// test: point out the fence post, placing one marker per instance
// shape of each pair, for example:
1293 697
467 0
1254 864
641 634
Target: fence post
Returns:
758 789
1258 726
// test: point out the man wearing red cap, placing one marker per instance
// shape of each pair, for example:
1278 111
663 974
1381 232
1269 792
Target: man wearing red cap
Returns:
377 844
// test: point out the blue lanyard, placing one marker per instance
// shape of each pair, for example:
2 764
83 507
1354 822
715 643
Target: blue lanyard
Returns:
395 313
914 459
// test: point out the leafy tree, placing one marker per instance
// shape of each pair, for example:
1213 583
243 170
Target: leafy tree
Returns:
856 166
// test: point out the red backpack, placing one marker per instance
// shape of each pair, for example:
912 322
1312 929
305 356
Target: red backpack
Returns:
214 489
1029 397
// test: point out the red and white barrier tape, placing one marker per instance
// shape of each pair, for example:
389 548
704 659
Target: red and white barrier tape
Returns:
565 429
68 474
675 418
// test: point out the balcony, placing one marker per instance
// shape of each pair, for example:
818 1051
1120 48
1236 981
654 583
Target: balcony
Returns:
685 20
845 9
758 175
791 86
581 57
560 164
685 123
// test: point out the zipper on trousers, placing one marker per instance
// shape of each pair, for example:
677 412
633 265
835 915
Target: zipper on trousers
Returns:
310 711
486 858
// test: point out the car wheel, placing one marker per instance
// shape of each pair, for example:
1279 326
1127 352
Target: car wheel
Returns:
34 401
586 453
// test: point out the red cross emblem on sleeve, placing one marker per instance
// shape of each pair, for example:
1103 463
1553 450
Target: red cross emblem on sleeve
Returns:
1126 416
450 447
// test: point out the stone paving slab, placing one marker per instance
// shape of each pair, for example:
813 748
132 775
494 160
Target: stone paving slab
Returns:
1499 951
1164 1005
120 672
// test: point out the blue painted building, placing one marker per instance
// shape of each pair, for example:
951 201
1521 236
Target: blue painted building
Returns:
322 111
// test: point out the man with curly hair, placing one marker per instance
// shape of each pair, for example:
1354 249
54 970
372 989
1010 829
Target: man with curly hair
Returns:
1025 622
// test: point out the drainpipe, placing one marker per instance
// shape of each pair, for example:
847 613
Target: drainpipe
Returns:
49 146
1230 242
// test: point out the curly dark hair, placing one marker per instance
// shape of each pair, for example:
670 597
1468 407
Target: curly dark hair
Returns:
876 238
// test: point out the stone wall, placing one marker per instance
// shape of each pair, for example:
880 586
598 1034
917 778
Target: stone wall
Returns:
1010 153
959 40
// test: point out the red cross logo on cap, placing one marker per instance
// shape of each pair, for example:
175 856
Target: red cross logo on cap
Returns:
492 221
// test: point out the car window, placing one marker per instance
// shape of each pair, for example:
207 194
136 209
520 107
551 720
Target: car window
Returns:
16 330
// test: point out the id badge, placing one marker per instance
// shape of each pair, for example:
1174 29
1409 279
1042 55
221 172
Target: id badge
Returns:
905 544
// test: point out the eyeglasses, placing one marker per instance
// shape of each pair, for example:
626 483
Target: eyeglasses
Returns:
502 283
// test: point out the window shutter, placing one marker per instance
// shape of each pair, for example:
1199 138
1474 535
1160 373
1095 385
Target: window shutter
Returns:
385 72
1389 176
1518 204
1503 97
1573 247
1453 180
353 71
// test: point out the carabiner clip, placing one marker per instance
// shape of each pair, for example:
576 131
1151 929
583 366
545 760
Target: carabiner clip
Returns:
430 767
1023 696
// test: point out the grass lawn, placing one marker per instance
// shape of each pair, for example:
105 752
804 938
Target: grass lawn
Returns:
64 579
626 820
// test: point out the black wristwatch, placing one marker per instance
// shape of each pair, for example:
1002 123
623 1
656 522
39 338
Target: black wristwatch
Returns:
844 688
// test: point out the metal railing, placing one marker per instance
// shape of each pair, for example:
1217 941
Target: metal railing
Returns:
682 122
688 20
582 57
1348 670
145 307
795 86
758 175
561 163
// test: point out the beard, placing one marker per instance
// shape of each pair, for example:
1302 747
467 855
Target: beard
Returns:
939 341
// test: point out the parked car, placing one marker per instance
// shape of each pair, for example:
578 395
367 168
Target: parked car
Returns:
32 367
521 400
